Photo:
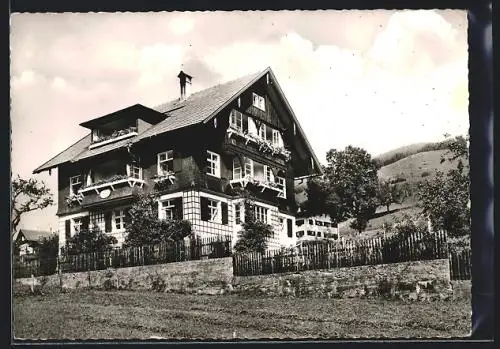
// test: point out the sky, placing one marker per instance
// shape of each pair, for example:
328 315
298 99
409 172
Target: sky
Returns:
373 79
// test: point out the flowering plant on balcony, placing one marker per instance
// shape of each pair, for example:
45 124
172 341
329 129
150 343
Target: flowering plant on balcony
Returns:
164 180
107 180
74 198
115 134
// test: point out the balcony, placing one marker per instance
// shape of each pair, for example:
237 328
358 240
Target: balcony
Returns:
112 183
261 145
74 199
261 184
100 140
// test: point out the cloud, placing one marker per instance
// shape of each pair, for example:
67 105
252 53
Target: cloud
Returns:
375 79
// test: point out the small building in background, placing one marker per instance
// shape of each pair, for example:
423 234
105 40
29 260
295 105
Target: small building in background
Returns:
27 241
315 227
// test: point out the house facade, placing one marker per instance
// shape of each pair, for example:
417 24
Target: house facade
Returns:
195 153
309 227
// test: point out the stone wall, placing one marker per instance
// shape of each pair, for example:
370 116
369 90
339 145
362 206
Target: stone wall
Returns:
202 276
413 280
422 279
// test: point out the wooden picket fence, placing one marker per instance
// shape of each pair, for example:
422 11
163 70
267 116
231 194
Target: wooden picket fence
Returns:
332 254
166 252
460 264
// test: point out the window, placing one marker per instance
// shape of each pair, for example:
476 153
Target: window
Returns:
276 138
269 174
168 208
213 160
259 102
262 131
261 214
289 227
97 220
237 171
134 171
75 183
236 120
282 185
171 209
165 162
299 234
310 233
248 167
318 234
77 225
237 213
299 222
311 221
213 210
119 216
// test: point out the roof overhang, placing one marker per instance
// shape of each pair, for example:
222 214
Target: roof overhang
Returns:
145 113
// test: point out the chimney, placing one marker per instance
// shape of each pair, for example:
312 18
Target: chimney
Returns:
185 82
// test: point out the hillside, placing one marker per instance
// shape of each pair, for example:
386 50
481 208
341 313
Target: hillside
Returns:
400 153
415 168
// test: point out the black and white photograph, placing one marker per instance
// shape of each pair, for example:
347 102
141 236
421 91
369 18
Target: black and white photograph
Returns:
240 175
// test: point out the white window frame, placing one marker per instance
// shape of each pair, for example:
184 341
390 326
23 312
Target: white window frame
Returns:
167 209
213 159
259 102
237 169
282 185
261 213
268 171
72 183
169 157
76 225
214 207
248 168
236 120
276 138
118 220
131 169
262 131
238 210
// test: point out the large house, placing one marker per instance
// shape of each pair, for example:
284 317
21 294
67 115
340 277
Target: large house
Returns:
194 152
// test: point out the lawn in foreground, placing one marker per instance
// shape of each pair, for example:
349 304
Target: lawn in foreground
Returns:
141 315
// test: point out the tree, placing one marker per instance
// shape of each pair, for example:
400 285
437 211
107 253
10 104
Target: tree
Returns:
352 185
48 250
89 240
143 227
445 199
254 235
388 194
28 195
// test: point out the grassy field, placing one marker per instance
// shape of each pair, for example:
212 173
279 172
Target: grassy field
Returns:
134 315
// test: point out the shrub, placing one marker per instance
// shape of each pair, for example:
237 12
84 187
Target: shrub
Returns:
89 240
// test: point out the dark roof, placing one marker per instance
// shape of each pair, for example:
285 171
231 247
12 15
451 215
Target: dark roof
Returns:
197 108
35 235
146 113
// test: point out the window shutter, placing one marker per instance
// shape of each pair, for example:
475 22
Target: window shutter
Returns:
177 163
67 228
178 208
224 213
107 222
205 214
289 225
85 223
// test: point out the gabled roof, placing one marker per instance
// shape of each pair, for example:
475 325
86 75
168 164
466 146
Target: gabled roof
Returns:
199 107
34 235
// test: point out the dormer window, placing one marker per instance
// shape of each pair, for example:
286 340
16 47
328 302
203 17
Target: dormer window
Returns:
259 102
